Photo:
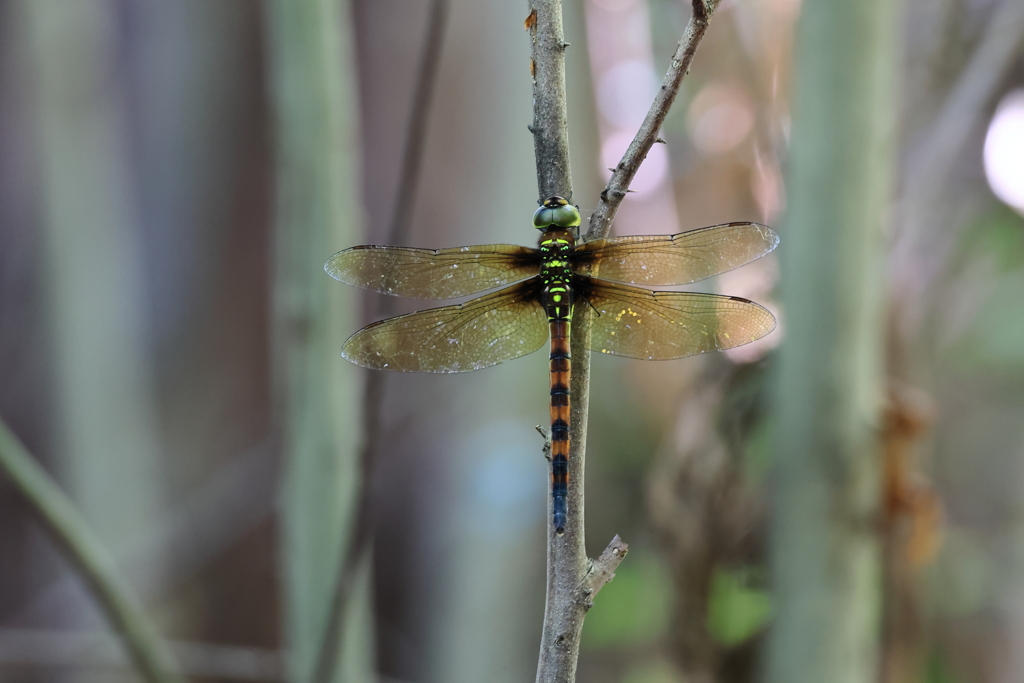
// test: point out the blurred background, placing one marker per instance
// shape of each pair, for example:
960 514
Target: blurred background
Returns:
152 359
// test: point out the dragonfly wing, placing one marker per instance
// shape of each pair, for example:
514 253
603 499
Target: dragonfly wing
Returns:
675 259
633 322
477 334
433 273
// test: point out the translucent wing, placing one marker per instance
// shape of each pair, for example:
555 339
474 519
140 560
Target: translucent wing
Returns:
675 259
633 322
477 334
433 273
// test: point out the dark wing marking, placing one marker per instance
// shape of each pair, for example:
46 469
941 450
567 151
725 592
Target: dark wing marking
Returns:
486 331
433 273
633 322
674 259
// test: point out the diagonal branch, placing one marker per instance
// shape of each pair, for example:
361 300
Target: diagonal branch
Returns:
1000 44
602 570
90 557
88 650
930 163
622 176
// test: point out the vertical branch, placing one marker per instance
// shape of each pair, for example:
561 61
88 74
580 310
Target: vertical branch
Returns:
87 553
573 580
825 555
550 132
102 386
567 560
316 391
102 392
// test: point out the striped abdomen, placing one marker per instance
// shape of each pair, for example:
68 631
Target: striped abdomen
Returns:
560 368
557 297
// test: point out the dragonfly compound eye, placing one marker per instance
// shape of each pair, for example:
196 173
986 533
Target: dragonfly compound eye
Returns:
557 216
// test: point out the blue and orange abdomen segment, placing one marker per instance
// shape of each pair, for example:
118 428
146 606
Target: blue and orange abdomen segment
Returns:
560 372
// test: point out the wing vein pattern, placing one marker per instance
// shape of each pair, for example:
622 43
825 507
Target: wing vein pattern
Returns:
639 323
674 259
433 273
496 327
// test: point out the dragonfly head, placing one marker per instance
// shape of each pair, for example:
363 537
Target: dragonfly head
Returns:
555 212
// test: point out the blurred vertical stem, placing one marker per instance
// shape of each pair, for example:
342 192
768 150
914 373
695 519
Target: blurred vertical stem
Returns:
317 392
825 548
105 436
89 556
106 443
355 554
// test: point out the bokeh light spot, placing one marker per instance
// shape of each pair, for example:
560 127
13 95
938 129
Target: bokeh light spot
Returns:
625 92
720 118
1004 151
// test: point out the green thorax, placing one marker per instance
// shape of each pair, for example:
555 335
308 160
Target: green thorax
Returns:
559 221
556 245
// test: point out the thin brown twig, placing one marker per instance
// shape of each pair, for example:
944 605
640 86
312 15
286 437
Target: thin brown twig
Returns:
964 107
622 176
358 544
81 546
416 134
930 163
211 518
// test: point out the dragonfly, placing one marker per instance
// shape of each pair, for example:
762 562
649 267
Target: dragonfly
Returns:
545 293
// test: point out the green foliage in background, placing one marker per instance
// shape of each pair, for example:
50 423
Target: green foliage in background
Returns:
737 609
987 303
658 671
633 609
938 670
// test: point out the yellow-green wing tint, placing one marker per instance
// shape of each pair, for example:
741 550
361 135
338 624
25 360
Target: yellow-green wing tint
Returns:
638 323
433 273
486 331
674 259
